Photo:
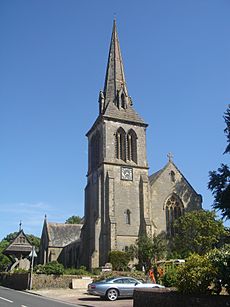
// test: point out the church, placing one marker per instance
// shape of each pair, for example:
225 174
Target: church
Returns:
122 200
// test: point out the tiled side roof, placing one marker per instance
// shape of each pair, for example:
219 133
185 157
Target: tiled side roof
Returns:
61 235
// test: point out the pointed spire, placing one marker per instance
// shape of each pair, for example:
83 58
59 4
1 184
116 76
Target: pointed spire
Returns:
115 88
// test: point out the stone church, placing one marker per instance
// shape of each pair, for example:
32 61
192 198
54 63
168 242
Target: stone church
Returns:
122 201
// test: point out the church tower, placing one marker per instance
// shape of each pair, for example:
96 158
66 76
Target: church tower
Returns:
117 191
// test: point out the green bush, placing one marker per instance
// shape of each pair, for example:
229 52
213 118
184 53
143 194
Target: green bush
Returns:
53 267
196 275
73 271
119 260
169 279
135 274
220 259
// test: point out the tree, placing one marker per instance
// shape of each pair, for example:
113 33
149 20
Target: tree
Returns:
196 275
74 219
220 259
145 252
219 180
119 260
197 232
4 260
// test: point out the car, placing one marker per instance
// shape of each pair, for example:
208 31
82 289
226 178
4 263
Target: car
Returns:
115 287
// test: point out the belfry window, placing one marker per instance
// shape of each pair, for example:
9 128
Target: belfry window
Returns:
173 210
121 144
132 146
127 215
172 175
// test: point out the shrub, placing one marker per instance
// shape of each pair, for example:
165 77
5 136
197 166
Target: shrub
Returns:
73 271
220 259
169 279
53 267
119 260
196 275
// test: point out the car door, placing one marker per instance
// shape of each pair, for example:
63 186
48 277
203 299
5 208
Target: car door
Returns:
129 284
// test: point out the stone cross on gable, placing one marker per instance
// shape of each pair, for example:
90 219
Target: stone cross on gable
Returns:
170 156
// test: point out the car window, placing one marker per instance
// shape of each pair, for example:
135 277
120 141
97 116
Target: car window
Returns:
119 281
130 281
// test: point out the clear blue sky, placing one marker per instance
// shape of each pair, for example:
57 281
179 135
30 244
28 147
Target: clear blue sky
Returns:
53 56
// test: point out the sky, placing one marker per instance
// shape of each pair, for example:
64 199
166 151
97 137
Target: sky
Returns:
53 57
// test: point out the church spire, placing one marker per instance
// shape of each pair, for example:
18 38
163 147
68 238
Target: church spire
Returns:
115 88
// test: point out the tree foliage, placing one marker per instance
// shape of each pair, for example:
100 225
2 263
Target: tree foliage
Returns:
4 260
119 260
145 252
219 180
220 259
52 267
197 232
196 275
74 219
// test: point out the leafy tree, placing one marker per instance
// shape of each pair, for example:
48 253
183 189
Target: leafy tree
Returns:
220 259
74 219
219 180
197 232
196 275
119 260
145 252
159 247
4 260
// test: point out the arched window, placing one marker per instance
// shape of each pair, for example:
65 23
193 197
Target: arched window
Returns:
121 144
174 209
127 215
172 175
132 146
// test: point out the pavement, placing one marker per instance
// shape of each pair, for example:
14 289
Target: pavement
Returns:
80 297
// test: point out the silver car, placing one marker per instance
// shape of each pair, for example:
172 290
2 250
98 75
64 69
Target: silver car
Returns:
112 288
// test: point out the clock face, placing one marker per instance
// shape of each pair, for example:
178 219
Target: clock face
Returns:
126 173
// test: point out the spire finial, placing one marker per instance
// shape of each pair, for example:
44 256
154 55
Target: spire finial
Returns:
20 226
170 156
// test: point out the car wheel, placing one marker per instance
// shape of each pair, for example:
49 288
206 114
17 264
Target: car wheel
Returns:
112 294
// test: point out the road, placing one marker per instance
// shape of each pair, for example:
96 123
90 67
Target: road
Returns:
13 298
55 298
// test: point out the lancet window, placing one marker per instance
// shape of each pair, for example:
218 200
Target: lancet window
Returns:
121 144
127 215
95 151
132 146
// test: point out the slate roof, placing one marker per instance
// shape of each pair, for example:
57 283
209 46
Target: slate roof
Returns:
19 244
61 235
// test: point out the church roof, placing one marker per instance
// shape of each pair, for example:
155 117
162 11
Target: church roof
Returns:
115 101
61 235
19 244
153 178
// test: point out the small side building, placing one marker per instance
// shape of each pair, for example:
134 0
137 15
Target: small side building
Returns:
60 242
18 252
